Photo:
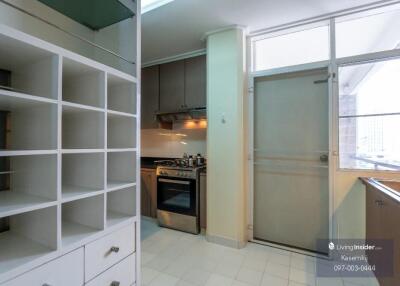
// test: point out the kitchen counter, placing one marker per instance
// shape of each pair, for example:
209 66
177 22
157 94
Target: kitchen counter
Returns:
390 188
148 162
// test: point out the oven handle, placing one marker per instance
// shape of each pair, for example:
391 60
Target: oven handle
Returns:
174 181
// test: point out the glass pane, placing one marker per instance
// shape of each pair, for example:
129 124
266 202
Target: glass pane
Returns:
372 88
370 142
292 49
375 32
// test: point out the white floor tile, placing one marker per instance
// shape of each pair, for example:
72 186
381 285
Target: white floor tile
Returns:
279 259
227 269
158 263
329 282
148 275
278 270
196 276
164 280
184 283
219 280
302 277
249 276
238 283
269 280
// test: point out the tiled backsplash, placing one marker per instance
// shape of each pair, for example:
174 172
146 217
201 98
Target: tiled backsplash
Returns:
173 143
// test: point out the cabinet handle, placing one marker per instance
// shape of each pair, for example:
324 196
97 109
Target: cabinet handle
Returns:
45 284
115 283
379 203
114 249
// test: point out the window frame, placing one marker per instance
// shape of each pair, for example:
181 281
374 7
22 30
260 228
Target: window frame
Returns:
334 65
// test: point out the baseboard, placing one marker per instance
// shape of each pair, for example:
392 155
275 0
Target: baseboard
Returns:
226 241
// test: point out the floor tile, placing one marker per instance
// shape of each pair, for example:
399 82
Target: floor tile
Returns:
249 276
329 282
278 270
269 280
196 276
219 280
164 280
279 259
184 283
158 263
302 277
227 269
238 283
148 275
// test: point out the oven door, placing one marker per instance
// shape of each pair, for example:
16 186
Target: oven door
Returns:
177 195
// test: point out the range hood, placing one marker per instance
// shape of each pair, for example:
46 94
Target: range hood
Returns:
168 120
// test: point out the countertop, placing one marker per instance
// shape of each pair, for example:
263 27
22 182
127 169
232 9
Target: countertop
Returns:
390 188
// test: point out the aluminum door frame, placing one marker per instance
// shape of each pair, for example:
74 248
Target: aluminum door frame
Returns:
332 72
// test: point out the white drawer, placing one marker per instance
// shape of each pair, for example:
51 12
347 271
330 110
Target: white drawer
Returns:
121 274
109 250
64 271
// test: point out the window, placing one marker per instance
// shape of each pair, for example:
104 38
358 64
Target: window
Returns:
374 32
148 5
369 115
302 47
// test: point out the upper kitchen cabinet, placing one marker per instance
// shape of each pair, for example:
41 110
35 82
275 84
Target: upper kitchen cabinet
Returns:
195 82
172 86
150 97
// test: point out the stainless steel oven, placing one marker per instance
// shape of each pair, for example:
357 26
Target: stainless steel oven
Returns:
178 198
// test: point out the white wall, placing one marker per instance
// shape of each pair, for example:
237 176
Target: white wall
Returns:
226 196
173 143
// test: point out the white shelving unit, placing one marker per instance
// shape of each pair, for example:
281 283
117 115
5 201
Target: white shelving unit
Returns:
72 152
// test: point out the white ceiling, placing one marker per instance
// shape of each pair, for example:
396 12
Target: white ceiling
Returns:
178 27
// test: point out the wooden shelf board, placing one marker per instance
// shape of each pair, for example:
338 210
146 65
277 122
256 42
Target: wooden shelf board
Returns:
114 218
118 185
112 113
17 250
73 232
10 99
76 107
6 153
12 203
73 193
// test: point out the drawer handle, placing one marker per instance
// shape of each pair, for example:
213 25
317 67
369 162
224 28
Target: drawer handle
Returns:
379 203
114 249
115 283
45 284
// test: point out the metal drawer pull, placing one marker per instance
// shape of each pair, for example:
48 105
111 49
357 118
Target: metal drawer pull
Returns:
45 284
379 203
115 283
114 249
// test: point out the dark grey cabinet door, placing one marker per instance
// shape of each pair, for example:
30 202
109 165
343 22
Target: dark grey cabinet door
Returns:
195 82
150 97
172 86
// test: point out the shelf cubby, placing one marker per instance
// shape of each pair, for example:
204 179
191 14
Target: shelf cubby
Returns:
116 138
81 219
27 183
83 84
82 129
121 170
121 205
30 122
31 236
121 95
82 175
30 70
